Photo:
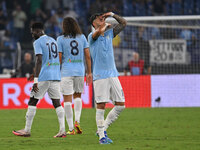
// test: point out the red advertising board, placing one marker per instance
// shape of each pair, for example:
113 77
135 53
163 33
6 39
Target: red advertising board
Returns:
137 91
14 93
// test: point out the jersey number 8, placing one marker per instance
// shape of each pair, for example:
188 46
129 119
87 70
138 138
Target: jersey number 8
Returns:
74 47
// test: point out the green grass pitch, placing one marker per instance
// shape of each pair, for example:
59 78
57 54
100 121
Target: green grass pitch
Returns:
136 129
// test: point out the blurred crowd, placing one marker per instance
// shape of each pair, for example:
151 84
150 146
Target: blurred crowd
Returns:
17 15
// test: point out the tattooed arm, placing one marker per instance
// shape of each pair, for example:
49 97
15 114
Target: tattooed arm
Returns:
119 27
122 23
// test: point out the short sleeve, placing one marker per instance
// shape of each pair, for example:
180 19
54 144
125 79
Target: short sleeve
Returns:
59 45
111 32
86 45
37 47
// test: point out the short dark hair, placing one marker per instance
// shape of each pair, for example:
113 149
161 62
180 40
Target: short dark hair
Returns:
37 25
71 27
94 16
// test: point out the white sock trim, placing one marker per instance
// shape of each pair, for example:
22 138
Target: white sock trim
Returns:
112 116
78 99
67 103
32 107
119 108
60 108
101 111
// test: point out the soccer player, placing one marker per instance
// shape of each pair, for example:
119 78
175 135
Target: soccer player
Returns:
105 74
73 49
46 79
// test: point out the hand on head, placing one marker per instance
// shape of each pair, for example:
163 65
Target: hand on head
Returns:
108 14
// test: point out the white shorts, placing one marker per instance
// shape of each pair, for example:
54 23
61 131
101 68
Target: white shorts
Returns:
71 85
108 89
52 87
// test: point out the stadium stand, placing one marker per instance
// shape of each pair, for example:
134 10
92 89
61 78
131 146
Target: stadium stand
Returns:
52 12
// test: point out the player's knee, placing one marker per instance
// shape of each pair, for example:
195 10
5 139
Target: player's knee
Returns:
101 105
77 95
119 109
33 101
56 103
119 103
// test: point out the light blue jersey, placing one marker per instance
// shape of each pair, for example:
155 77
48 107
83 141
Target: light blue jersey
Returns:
50 69
72 50
101 51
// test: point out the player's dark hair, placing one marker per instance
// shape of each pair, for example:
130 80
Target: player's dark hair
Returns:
93 17
71 27
37 25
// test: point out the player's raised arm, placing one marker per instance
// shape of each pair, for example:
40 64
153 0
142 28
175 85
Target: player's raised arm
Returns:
119 27
122 23
98 22
99 31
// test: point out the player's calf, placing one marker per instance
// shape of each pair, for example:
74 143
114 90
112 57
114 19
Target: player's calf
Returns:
113 115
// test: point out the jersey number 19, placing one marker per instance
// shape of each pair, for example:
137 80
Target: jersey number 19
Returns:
52 49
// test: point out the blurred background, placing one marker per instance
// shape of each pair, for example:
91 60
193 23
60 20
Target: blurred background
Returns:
17 15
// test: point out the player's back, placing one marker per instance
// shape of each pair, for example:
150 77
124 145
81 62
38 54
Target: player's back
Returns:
50 69
72 50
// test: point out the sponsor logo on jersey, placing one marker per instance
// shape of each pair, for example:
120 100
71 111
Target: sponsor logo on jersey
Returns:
74 61
53 64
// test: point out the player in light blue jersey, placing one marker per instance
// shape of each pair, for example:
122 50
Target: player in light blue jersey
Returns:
105 74
46 79
73 51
